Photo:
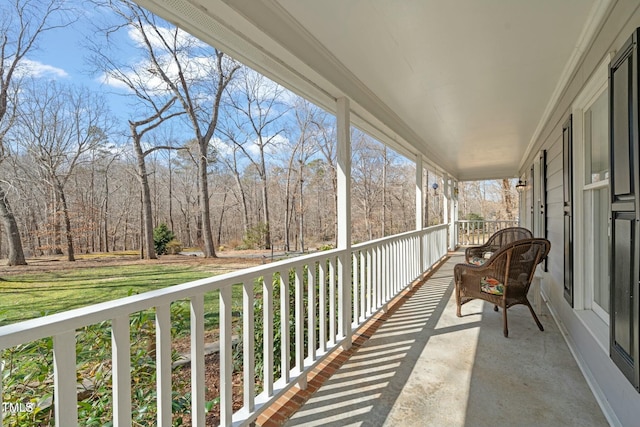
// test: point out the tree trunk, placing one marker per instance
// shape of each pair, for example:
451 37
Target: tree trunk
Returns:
265 204
224 200
67 223
147 215
171 193
16 254
207 235
56 250
265 199
243 201
106 213
506 194
287 210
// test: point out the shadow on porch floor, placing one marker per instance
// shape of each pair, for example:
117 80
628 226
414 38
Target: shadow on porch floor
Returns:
424 366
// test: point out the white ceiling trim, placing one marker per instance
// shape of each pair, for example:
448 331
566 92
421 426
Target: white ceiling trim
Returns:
272 37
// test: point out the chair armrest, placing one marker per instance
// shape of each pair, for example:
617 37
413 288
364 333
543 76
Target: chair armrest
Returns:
469 275
460 270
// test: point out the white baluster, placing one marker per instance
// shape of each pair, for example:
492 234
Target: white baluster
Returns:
267 301
226 363
121 359
163 364
197 362
64 373
248 346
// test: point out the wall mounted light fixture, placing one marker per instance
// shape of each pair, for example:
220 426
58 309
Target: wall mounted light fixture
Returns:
521 185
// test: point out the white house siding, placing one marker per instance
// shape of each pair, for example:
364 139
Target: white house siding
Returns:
618 397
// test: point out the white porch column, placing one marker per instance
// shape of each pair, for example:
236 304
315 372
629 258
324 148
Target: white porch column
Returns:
419 211
344 219
446 191
419 194
453 234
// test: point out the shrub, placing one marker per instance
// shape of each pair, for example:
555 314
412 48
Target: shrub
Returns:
161 236
254 237
174 247
474 217
28 373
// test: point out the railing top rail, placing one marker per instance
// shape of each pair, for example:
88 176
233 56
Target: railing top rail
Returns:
397 236
46 326
513 221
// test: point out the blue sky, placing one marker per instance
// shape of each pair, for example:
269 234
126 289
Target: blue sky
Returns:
61 55
61 48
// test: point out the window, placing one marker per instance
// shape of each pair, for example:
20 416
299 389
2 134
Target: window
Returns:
591 199
596 140
596 205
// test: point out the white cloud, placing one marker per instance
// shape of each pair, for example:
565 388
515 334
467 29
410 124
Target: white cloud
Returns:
279 142
195 65
37 69
155 35
108 80
224 148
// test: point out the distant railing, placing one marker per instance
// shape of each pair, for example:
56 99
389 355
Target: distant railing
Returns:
476 232
312 289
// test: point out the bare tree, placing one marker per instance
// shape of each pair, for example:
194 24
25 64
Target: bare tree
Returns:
367 181
509 198
137 129
153 95
304 145
194 73
229 155
58 126
258 108
22 23
327 146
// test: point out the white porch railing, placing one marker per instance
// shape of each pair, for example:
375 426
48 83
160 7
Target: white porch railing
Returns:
380 269
476 232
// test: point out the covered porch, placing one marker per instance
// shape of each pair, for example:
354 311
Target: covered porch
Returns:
418 364
471 90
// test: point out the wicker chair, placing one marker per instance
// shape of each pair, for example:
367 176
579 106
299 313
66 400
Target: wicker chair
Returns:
504 279
476 254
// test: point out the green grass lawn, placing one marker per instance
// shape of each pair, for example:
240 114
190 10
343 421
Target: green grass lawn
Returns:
28 296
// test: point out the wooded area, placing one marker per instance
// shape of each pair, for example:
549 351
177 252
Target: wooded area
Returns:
220 154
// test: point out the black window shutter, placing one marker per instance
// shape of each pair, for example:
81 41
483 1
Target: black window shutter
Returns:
567 175
623 183
543 201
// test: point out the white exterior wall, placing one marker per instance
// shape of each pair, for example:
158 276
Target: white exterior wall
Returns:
620 401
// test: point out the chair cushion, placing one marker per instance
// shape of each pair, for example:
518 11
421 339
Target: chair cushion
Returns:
492 286
476 260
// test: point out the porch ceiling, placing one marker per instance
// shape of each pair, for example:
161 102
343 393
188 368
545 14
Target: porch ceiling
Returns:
466 83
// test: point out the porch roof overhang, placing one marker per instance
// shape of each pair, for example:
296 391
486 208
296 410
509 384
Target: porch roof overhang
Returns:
468 85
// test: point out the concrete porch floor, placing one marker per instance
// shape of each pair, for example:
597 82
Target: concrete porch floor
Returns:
423 366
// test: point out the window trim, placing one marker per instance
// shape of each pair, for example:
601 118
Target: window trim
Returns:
597 84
